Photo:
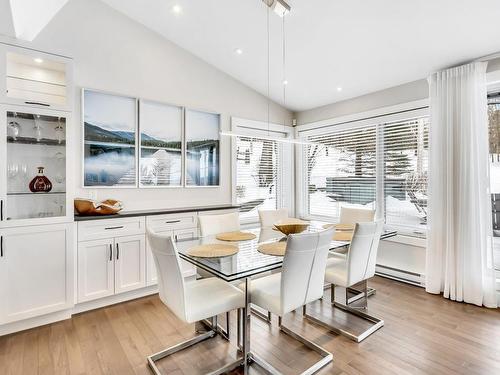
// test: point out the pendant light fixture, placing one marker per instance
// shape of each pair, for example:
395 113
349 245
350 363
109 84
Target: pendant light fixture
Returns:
281 8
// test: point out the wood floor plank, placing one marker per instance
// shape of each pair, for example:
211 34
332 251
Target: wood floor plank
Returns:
423 334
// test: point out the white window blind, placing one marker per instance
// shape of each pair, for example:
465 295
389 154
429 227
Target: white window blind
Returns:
341 170
257 176
494 148
405 157
380 166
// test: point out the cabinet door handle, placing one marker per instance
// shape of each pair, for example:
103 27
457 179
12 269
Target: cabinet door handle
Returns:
110 252
1 209
172 221
1 246
38 103
118 227
117 252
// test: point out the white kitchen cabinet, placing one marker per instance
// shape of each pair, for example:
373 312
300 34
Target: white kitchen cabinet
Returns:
96 269
36 79
36 271
130 268
34 142
110 266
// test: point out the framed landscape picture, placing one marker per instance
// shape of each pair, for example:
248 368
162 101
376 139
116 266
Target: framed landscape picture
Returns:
109 140
202 148
161 144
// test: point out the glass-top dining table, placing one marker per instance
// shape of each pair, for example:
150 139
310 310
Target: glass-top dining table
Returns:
249 262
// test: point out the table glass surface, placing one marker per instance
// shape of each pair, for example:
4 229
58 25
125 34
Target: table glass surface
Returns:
248 261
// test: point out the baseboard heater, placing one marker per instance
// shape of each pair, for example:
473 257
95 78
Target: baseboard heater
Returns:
408 277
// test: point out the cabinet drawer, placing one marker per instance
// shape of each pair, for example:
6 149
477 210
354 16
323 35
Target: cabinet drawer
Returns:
107 228
172 221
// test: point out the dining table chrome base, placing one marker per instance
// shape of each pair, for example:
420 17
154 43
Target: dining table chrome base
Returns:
327 357
213 330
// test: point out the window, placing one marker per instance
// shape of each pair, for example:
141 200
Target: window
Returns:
381 165
405 164
341 170
494 138
257 171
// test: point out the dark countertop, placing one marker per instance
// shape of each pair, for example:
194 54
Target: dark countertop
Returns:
155 212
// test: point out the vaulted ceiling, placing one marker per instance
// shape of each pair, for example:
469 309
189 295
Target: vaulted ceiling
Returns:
335 49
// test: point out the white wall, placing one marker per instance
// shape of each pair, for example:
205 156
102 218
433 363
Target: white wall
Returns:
408 92
113 53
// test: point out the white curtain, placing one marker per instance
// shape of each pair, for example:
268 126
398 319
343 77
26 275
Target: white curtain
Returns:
459 247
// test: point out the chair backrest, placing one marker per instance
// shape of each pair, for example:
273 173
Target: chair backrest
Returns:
303 271
269 217
168 268
214 224
349 215
362 255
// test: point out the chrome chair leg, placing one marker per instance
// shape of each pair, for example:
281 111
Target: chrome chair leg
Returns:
265 317
358 311
211 333
327 357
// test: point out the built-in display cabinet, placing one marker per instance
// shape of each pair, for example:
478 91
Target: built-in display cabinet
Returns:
34 166
37 251
35 78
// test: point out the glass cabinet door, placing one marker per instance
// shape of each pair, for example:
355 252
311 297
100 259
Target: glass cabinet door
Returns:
35 166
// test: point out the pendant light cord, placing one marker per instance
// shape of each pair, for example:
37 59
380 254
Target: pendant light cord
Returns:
268 73
284 72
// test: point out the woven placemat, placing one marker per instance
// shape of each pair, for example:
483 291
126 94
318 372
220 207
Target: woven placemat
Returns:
345 227
235 236
215 250
273 248
342 236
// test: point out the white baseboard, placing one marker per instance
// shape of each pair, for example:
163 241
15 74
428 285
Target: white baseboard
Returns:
117 298
35 322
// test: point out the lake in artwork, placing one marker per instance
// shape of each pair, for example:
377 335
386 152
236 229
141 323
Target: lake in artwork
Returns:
202 148
109 139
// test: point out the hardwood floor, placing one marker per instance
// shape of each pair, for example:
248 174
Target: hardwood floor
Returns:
423 334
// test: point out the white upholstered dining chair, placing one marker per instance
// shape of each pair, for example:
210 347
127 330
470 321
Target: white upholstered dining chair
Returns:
191 302
214 224
358 266
351 215
268 218
300 282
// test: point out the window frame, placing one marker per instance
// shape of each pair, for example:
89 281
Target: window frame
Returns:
378 118
286 170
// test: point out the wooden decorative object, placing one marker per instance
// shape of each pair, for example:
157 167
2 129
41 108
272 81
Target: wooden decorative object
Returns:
216 250
291 226
235 236
273 248
89 207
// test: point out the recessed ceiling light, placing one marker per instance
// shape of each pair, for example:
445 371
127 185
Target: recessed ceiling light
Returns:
177 9
238 51
285 82
38 60
339 89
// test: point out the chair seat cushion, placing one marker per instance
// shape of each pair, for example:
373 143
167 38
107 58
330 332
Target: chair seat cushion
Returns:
265 292
209 297
336 272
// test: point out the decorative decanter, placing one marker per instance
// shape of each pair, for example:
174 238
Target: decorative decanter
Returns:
40 184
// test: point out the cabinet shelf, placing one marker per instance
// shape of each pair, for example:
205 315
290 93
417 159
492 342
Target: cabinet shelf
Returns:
41 193
33 141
